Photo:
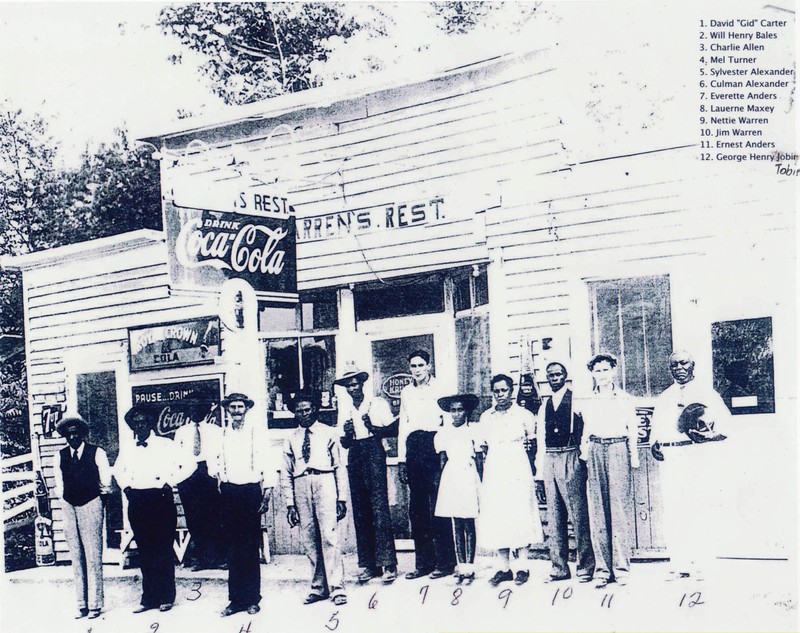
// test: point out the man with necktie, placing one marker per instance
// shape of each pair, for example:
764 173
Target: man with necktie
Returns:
82 475
197 440
564 476
314 489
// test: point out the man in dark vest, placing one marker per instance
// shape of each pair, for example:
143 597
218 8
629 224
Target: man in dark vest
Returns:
564 478
82 474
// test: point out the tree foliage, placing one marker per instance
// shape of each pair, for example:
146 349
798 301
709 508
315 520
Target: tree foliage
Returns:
115 189
257 50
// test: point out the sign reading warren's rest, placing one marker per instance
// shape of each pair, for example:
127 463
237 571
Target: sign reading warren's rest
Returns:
251 238
192 342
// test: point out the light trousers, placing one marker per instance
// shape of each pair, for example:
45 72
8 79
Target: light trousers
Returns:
83 529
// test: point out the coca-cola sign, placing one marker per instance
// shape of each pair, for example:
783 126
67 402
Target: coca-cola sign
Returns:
208 247
178 403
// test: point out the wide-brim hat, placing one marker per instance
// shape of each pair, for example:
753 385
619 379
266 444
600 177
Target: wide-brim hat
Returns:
237 397
469 400
350 372
141 409
74 420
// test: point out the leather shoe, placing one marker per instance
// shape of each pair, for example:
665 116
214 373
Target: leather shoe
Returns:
143 608
522 577
440 573
585 578
94 614
253 609
501 576
229 610
390 574
82 614
602 583
555 578
417 573
468 578
314 597
369 573
165 607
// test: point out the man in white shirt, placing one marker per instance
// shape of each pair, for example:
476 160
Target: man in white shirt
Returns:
82 475
364 422
246 471
686 458
420 419
609 446
315 492
197 442
146 471
560 432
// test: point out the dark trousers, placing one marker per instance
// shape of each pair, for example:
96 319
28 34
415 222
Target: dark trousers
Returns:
242 529
153 519
201 505
433 536
565 489
366 470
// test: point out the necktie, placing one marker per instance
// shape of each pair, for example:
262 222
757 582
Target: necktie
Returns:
307 446
75 455
196 439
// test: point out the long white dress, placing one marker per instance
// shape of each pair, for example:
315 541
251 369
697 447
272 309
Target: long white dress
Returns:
458 486
509 514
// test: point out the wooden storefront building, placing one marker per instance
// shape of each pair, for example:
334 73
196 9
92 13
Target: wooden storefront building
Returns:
461 214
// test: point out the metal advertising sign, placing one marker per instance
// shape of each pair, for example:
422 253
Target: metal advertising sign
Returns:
178 344
178 403
254 239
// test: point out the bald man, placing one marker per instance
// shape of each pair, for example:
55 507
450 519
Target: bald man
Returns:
685 437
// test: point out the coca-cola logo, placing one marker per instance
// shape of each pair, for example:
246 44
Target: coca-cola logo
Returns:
231 245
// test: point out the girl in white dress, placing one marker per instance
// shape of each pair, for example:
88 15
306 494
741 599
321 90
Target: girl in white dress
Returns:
459 483
509 517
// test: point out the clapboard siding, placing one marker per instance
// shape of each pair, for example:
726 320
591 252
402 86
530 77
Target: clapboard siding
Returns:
456 133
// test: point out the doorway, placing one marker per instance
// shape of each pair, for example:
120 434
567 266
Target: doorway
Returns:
97 404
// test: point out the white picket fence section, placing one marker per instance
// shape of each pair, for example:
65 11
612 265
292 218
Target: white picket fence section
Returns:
28 490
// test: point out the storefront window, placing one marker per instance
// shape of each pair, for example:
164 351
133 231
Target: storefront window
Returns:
315 311
417 296
296 362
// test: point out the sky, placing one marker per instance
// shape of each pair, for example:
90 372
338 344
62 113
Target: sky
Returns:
90 68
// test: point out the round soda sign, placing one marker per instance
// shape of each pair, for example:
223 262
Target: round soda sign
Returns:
394 384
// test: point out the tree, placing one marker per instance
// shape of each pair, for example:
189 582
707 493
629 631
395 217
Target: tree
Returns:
29 183
257 50
115 189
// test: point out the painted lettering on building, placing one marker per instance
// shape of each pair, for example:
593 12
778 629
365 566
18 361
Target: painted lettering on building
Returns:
373 219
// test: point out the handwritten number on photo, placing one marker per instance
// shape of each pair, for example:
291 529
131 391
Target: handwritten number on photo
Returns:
606 601
566 595
694 599
424 593
373 601
456 595
505 595
245 630
196 590
154 627
333 623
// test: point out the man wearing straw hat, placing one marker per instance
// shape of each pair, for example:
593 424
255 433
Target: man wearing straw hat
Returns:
82 475
146 471
364 422
246 473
